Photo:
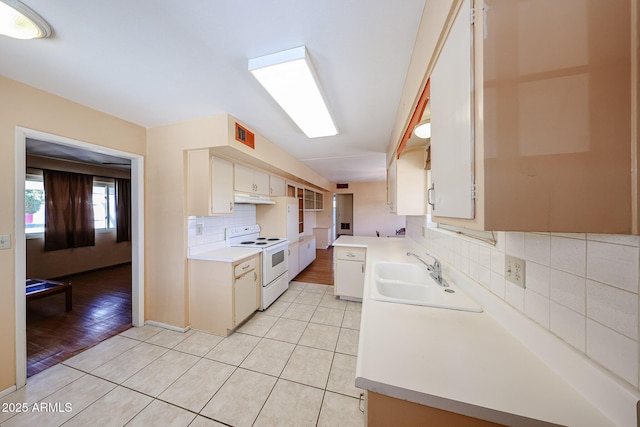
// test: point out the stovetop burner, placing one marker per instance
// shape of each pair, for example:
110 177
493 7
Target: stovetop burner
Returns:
249 237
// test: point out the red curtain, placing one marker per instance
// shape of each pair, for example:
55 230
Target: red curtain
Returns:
123 210
68 210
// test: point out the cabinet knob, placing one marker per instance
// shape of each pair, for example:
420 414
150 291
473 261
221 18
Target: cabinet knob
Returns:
230 206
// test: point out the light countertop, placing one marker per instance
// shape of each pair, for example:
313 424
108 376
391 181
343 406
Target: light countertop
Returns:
458 361
225 254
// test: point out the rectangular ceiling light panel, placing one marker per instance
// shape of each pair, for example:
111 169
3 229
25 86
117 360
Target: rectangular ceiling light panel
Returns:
290 79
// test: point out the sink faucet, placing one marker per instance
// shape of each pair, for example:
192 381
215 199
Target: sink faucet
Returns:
435 269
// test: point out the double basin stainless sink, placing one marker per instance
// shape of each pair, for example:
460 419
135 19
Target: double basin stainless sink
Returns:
408 283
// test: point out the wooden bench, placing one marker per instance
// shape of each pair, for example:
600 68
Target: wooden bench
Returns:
37 289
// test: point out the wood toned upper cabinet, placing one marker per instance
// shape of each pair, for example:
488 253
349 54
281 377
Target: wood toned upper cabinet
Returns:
209 184
552 136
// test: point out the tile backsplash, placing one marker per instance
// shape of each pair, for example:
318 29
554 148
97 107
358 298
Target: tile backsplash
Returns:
214 226
581 287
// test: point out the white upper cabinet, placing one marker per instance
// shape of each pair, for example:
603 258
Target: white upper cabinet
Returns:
250 181
391 185
451 123
209 184
532 111
277 186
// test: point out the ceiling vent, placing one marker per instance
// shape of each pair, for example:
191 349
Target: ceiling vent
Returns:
342 186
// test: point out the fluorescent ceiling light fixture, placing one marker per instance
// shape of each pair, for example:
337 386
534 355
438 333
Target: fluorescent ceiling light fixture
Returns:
423 129
19 21
290 79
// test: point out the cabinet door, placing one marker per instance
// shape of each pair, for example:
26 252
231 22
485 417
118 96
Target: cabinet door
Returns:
391 184
452 148
350 278
411 182
243 179
294 265
309 200
261 182
277 186
319 201
292 219
221 187
311 247
244 296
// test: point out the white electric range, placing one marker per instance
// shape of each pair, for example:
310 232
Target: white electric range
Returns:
275 278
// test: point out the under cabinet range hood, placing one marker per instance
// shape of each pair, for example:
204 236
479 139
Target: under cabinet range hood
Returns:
253 199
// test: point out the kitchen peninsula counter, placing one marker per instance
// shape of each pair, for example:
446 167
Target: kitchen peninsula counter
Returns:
470 363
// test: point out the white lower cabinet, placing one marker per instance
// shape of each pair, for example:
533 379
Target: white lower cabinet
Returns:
307 251
294 265
223 294
349 265
245 299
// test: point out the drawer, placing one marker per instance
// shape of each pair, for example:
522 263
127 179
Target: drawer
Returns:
351 254
244 267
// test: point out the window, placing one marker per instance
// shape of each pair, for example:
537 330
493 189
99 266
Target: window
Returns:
33 204
104 204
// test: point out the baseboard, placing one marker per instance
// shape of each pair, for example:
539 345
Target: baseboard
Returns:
167 326
7 391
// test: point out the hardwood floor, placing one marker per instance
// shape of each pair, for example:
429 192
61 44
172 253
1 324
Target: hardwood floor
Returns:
101 309
319 271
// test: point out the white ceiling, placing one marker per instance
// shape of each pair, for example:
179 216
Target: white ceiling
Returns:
155 62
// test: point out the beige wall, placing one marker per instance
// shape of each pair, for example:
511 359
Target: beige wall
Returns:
370 210
166 214
49 265
34 109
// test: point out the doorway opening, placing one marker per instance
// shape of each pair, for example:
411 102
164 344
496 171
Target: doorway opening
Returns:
343 215
128 275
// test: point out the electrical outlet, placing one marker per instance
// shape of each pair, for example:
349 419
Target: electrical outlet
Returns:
5 241
199 229
514 270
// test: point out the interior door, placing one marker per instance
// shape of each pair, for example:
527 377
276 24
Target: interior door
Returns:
344 214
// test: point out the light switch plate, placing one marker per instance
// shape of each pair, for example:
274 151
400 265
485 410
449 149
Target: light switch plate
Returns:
514 270
5 241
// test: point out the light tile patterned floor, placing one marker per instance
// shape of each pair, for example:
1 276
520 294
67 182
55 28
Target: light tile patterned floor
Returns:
291 365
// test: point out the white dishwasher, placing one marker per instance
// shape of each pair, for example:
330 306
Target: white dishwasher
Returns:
246 290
